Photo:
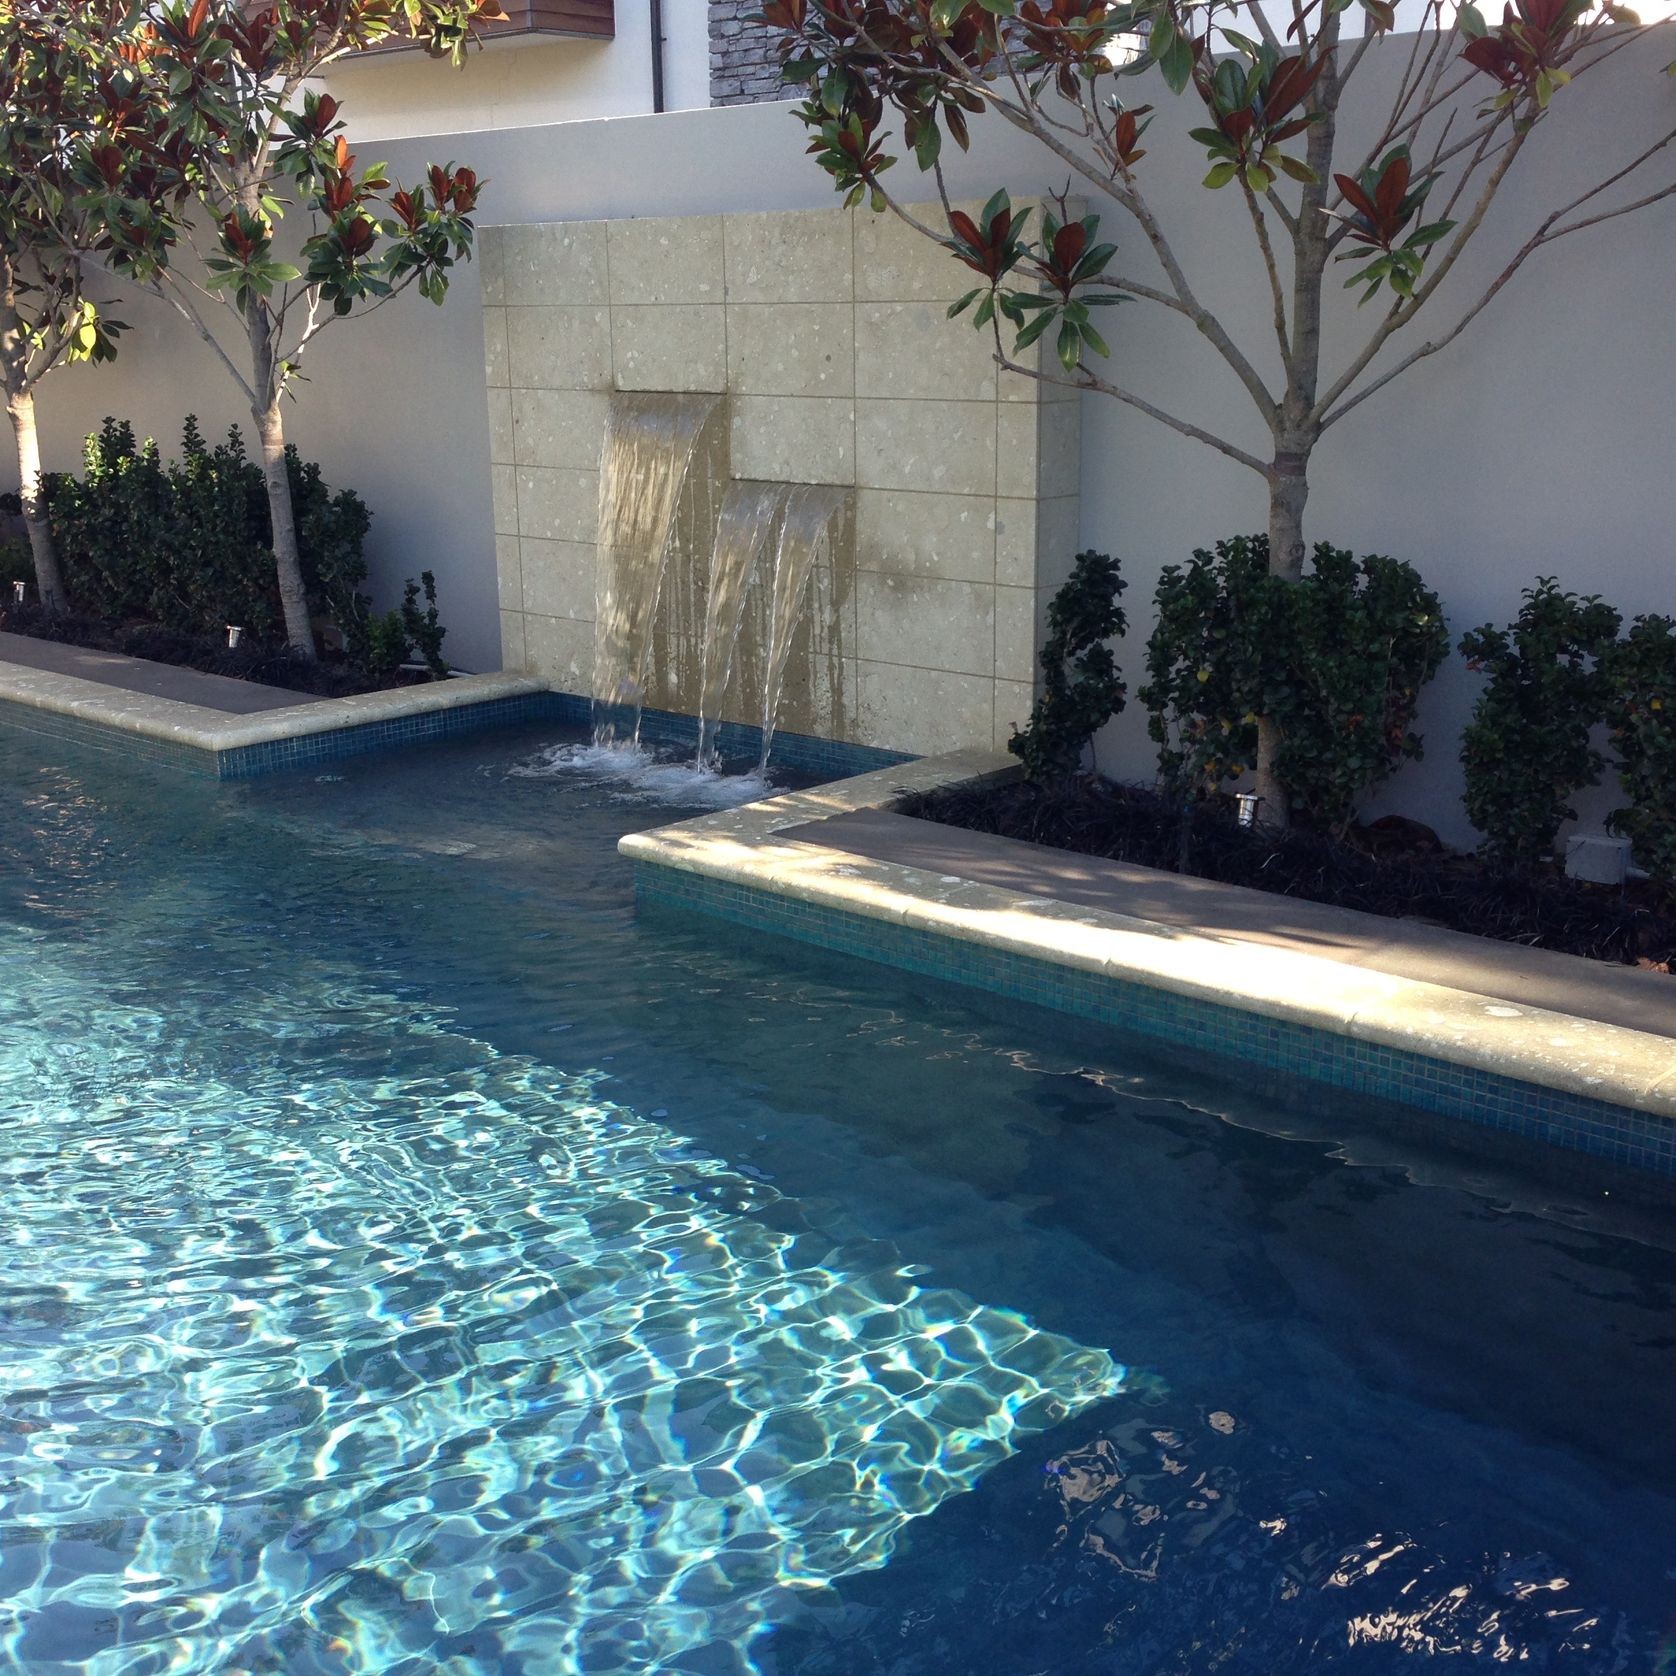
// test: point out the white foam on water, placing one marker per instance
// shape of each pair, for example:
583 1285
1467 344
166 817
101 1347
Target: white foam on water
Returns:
638 775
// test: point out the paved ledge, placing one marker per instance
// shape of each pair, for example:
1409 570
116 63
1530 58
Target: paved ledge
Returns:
141 675
196 726
1563 983
759 847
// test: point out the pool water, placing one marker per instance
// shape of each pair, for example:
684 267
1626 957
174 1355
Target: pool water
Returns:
416 1261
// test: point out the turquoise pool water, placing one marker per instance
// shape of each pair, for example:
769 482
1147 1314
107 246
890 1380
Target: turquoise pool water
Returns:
415 1261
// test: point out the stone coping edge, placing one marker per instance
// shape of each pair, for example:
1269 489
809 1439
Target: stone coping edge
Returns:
1585 1057
214 731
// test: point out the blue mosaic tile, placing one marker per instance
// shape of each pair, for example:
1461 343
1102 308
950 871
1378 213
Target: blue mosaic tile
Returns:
827 759
94 736
245 762
1289 1051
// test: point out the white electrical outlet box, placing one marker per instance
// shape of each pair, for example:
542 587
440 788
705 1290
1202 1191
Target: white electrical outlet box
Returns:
1597 859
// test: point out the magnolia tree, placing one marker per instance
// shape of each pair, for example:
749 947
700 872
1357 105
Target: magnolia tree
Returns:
64 85
238 142
1270 77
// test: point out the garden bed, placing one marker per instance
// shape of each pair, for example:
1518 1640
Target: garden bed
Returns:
1393 868
272 666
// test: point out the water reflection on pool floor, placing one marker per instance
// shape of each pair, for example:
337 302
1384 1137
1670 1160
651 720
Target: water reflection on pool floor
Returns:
415 1262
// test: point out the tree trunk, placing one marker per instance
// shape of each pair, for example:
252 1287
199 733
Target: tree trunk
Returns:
269 382
1288 492
1296 430
49 582
293 596
20 408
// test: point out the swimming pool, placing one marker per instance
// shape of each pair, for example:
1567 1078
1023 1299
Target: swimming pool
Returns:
416 1261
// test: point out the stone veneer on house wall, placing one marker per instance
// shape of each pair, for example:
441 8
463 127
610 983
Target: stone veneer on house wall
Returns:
827 332
744 55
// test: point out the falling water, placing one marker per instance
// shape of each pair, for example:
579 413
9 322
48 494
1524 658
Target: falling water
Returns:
806 540
748 514
649 442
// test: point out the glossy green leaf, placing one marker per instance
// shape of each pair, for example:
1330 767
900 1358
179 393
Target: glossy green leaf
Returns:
1070 346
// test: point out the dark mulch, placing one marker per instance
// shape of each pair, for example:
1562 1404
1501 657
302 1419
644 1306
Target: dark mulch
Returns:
272 666
1395 868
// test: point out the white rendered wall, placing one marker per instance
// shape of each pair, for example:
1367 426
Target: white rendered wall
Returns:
1540 443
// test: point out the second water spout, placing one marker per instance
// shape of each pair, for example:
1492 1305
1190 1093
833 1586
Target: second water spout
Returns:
813 513
743 531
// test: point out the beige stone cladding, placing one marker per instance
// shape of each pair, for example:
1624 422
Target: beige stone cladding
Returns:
827 334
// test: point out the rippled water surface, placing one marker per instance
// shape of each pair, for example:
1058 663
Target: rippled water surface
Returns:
414 1261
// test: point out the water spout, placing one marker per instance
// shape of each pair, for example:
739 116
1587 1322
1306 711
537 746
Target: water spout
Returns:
649 443
748 515
813 512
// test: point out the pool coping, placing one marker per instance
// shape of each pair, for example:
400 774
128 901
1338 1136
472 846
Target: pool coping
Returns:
226 745
233 744
1606 1064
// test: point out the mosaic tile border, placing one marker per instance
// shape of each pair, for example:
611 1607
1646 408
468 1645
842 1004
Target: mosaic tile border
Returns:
1615 1133
802 753
99 736
829 759
271 756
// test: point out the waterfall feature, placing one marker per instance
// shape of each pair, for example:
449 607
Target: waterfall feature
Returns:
729 610
813 511
747 519
649 443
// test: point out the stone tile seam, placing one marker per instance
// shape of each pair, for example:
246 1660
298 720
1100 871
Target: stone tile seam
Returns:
1021 405
604 306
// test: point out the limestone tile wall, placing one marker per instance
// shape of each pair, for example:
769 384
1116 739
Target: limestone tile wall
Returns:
827 331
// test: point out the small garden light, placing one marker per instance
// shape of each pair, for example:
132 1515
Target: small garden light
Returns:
20 591
234 635
1249 803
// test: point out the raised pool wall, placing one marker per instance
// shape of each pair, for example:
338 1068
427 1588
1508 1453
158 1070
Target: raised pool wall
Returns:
825 334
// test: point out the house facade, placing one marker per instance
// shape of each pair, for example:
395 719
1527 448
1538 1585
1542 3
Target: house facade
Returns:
567 61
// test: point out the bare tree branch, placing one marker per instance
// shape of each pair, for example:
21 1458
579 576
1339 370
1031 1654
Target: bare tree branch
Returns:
1554 227
1272 269
1128 196
1400 317
1087 380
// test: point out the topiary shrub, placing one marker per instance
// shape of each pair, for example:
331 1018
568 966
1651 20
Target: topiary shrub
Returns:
1640 683
331 533
1526 751
114 528
17 564
384 646
1081 687
1204 664
386 640
1335 660
424 630
187 545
